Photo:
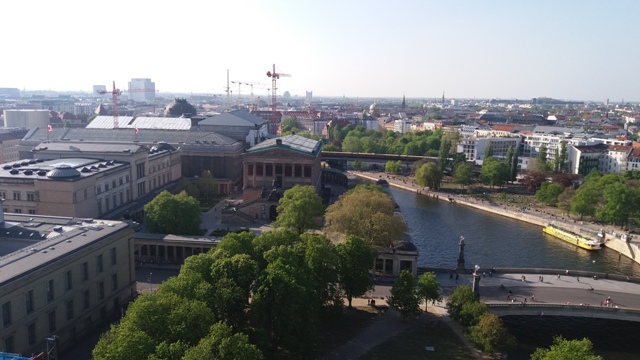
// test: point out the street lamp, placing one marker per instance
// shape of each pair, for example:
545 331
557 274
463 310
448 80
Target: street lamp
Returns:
149 281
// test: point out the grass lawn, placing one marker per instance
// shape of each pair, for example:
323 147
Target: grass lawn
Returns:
410 345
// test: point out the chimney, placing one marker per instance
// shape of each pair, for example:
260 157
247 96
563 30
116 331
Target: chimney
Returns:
278 142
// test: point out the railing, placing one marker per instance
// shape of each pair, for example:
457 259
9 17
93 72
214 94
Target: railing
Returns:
520 306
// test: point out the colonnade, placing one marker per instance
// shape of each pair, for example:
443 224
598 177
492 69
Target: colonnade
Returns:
166 254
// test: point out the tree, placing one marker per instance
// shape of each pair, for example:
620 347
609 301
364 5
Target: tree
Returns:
186 185
290 124
619 204
351 143
443 155
556 161
173 214
536 165
222 344
582 203
429 288
488 151
462 174
393 167
461 295
357 164
404 296
494 172
563 349
549 192
471 313
491 335
429 175
355 259
533 179
367 214
513 166
509 161
298 209
542 154
323 261
565 179
207 186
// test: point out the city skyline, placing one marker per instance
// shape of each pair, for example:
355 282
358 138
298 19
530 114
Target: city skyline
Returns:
569 50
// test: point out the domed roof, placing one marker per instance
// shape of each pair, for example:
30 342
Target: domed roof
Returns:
63 172
373 106
178 108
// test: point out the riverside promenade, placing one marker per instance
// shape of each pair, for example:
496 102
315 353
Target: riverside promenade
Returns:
537 217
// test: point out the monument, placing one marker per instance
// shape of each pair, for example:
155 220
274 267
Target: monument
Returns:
476 281
460 268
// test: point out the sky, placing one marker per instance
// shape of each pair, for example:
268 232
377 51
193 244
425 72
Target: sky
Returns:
578 50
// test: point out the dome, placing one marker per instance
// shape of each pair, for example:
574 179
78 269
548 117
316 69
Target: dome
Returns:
178 108
63 172
373 106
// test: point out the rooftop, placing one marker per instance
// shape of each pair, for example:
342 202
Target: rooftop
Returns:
291 142
234 118
30 242
57 169
141 122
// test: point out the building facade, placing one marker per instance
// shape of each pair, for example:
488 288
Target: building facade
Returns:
61 277
142 90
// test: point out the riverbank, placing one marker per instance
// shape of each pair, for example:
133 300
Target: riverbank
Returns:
539 217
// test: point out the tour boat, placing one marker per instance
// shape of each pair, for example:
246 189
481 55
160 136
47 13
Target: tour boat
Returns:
572 238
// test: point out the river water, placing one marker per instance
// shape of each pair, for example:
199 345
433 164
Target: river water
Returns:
494 241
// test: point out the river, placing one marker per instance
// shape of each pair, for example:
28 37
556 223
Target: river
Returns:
494 241
497 241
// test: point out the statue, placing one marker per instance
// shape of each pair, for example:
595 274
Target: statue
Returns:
460 268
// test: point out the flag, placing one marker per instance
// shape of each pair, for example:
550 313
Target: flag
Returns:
137 131
49 128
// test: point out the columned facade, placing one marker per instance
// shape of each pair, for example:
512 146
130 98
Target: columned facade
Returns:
169 249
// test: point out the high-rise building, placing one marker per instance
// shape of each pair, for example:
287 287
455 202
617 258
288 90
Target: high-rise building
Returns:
142 90
309 96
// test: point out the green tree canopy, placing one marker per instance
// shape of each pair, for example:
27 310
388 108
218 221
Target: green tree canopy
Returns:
563 349
298 209
429 288
207 186
173 214
549 192
365 213
429 175
393 167
491 335
494 172
462 174
488 151
461 295
355 259
290 124
404 295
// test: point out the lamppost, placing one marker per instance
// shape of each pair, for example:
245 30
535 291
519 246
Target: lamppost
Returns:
149 281
476 280
460 268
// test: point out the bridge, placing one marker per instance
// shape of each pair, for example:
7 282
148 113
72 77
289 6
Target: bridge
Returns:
547 295
344 160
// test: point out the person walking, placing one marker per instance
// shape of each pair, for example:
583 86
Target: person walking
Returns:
558 276
533 298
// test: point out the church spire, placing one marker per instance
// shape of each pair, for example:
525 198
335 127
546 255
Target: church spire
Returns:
443 98
404 103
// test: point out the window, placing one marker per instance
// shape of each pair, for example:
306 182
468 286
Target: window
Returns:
85 271
106 186
99 206
101 290
140 170
250 170
307 171
3 194
126 178
6 313
18 211
86 299
99 189
69 309
113 183
121 182
16 196
113 254
52 321
28 301
8 344
31 333
31 197
114 282
68 281
99 265
50 293
32 212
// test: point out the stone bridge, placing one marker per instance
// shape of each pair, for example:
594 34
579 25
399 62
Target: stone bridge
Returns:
344 160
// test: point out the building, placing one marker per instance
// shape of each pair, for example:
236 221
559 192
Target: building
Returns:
61 276
86 179
584 159
26 118
142 90
473 148
9 140
276 165
180 108
240 125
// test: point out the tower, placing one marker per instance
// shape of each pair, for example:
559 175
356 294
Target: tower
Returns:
443 98
404 103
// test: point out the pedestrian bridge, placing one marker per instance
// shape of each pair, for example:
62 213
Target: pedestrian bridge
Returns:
577 310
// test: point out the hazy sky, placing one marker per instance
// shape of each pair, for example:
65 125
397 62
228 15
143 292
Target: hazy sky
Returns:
507 49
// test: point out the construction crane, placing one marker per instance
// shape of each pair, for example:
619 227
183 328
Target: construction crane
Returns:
114 98
274 76
251 85
239 85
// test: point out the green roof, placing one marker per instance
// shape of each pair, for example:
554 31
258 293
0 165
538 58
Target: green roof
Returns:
291 142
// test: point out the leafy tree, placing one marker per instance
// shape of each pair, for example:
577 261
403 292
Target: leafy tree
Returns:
355 259
186 185
542 154
491 335
549 192
536 165
563 349
404 296
488 151
173 214
461 295
631 175
351 144
117 344
393 167
494 172
365 213
462 174
429 288
509 161
513 166
299 206
207 186
331 147
564 199
323 260
471 313
357 164
222 344
429 175
235 244
565 179
533 179
619 203
582 203
443 155
458 158
290 124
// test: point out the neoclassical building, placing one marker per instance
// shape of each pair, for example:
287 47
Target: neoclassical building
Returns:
61 276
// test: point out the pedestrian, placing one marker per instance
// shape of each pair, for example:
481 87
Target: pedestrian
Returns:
558 276
578 278
533 298
508 297
542 279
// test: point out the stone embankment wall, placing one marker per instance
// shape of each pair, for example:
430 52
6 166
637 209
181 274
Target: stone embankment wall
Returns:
630 250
